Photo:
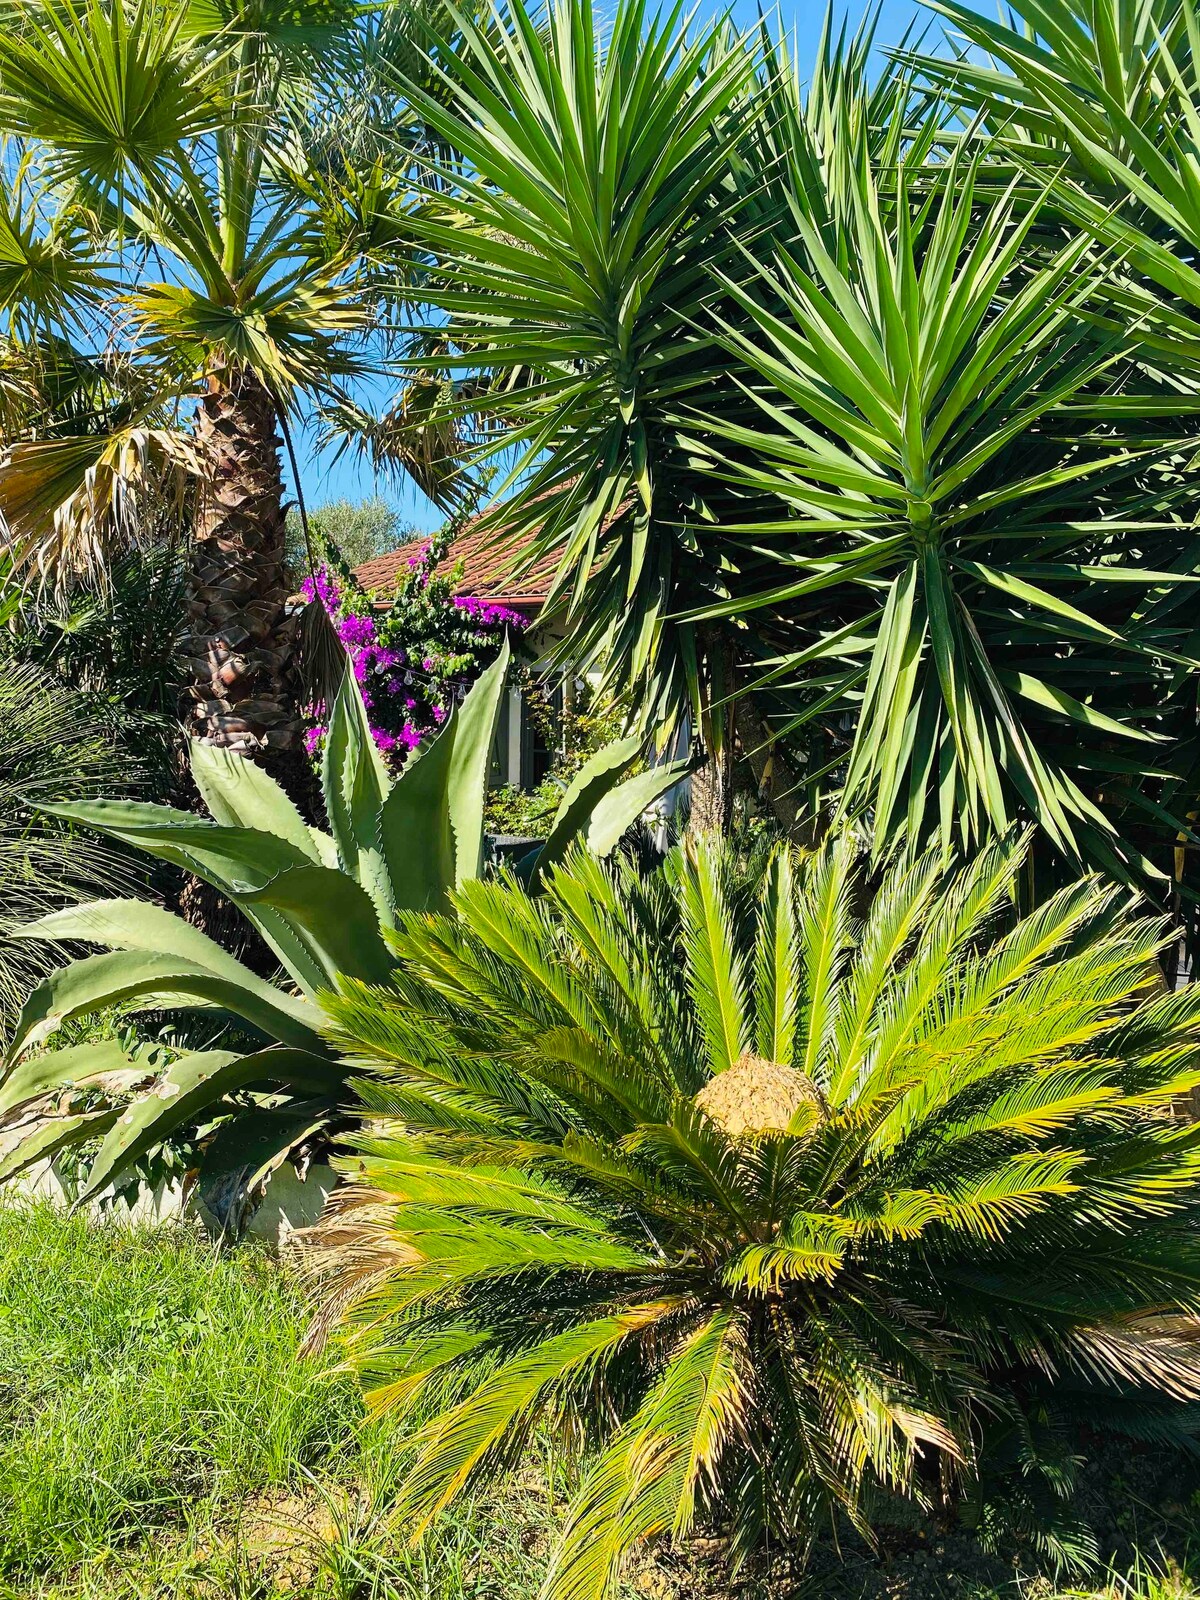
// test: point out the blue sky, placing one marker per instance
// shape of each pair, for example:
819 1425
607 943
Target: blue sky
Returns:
324 480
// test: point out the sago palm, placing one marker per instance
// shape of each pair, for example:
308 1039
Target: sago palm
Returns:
776 1190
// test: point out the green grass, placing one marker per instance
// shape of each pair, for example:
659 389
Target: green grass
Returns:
160 1440
158 1434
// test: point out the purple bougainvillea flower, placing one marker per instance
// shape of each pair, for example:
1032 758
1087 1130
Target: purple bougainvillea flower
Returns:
488 614
321 586
356 631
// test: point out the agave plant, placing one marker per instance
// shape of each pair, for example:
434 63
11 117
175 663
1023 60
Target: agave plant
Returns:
774 1193
324 902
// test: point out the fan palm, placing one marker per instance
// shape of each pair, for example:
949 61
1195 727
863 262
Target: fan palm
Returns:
774 1191
156 209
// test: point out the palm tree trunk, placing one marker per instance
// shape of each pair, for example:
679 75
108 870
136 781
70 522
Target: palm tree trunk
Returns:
712 784
240 648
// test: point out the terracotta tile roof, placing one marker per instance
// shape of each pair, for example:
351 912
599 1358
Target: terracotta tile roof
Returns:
487 562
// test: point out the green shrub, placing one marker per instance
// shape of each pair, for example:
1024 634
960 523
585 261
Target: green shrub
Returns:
322 901
523 813
787 1195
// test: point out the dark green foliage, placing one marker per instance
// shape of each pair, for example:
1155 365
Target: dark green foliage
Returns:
54 747
777 1186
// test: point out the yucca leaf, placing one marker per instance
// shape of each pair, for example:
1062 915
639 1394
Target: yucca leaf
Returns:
355 783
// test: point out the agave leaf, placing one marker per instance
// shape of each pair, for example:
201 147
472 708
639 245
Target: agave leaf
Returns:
333 917
252 1145
246 1150
137 925
590 785
418 840
55 1134
234 861
160 981
470 761
76 1068
355 783
190 1087
239 794
622 806
432 823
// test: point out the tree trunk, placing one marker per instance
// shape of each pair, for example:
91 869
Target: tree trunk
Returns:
240 648
777 782
733 731
712 785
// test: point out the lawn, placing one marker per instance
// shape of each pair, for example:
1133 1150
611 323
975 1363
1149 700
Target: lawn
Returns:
160 1437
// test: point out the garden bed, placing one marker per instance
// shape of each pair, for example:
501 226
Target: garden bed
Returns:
159 1437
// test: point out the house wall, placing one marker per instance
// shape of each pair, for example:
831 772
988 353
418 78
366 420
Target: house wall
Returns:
513 753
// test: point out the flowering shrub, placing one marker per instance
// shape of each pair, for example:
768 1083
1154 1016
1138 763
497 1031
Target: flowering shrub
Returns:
415 656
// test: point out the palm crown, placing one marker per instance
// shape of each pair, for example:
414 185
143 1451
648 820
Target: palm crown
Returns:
170 232
809 1177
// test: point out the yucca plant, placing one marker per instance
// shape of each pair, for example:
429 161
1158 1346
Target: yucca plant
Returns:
775 1193
988 577
1094 106
808 370
324 902
568 253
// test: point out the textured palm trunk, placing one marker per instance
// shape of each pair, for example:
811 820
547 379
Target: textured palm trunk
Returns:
712 783
240 648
